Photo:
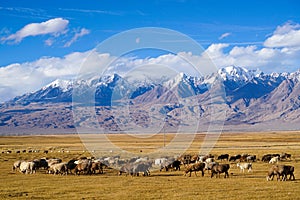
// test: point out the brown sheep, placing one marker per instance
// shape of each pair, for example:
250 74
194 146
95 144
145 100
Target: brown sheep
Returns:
194 168
276 170
83 166
281 170
290 171
97 166
220 168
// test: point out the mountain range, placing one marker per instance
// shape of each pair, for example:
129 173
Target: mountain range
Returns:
235 98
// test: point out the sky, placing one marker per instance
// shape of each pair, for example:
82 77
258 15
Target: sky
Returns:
41 42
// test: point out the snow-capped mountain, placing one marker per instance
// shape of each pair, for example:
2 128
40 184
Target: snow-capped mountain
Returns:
250 97
65 85
239 83
108 88
238 74
63 90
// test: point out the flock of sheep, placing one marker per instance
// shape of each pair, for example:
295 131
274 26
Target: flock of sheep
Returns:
136 166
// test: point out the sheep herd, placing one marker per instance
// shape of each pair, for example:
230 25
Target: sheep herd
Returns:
214 165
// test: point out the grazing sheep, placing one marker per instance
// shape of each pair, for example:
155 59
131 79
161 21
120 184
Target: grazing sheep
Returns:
285 156
71 165
209 165
290 171
194 168
266 158
58 168
27 167
174 165
143 167
244 166
127 168
220 168
223 157
136 168
83 166
288 156
53 161
41 163
276 170
16 165
235 157
251 158
281 171
274 160
97 166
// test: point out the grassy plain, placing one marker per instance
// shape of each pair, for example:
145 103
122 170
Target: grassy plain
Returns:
160 185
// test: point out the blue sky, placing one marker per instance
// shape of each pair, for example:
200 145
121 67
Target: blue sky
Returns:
48 39
247 22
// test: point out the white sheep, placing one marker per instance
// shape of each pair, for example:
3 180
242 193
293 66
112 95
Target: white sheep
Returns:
27 167
274 160
244 166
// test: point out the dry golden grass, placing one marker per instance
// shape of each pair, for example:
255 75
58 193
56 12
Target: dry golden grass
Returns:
160 185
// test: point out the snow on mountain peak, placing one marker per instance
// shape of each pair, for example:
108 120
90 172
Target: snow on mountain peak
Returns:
238 74
107 79
295 75
180 77
65 85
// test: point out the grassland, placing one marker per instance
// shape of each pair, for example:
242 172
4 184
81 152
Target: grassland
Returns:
160 185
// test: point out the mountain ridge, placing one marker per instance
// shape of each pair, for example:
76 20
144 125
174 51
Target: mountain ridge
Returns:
249 98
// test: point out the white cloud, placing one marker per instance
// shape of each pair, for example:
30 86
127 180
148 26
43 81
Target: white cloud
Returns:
286 28
195 65
287 35
224 35
267 59
17 79
53 27
281 52
77 35
30 76
216 50
239 51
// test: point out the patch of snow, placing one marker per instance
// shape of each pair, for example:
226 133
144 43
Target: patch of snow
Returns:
238 74
65 85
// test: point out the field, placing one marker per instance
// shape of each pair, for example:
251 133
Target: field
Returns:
159 185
